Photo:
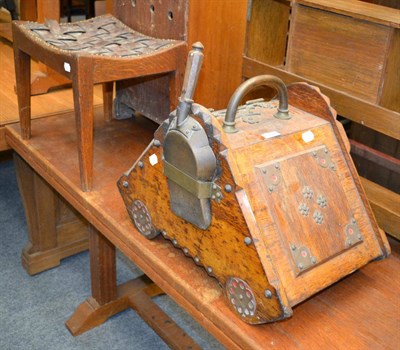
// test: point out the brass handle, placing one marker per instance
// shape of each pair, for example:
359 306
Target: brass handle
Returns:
245 88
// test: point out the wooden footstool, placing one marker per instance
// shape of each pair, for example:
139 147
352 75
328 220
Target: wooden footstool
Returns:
98 50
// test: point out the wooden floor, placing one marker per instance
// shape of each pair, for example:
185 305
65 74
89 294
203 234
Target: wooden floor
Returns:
54 102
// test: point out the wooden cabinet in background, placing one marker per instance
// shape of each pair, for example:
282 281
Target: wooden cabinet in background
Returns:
219 25
350 50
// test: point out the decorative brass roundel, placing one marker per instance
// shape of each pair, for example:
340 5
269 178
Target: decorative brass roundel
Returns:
142 220
241 297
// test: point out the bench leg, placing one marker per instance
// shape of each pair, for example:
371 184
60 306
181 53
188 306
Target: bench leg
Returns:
55 230
103 303
107 299
23 86
102 267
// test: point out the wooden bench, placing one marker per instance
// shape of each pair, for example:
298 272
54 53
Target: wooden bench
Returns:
358 312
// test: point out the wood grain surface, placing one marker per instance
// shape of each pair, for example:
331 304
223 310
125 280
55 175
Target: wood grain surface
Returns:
277 211
270 18
360 311
330 49
220 25
85 70
221 247
350 50
55 231
358 9
360 111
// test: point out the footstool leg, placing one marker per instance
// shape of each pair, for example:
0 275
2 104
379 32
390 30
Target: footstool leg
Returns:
82 86
108 100
23 87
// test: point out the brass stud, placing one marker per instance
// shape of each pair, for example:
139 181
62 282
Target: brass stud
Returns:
248 240
228 188
268 294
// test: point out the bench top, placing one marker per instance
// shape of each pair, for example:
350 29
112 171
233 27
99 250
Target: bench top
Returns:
360 311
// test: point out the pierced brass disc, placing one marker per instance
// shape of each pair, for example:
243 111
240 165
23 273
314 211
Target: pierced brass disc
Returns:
241 297
142 220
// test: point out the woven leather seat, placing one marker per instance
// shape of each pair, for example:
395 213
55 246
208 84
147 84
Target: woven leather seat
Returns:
103 35
98 50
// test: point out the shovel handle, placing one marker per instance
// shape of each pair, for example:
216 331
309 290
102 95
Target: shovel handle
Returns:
193 66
